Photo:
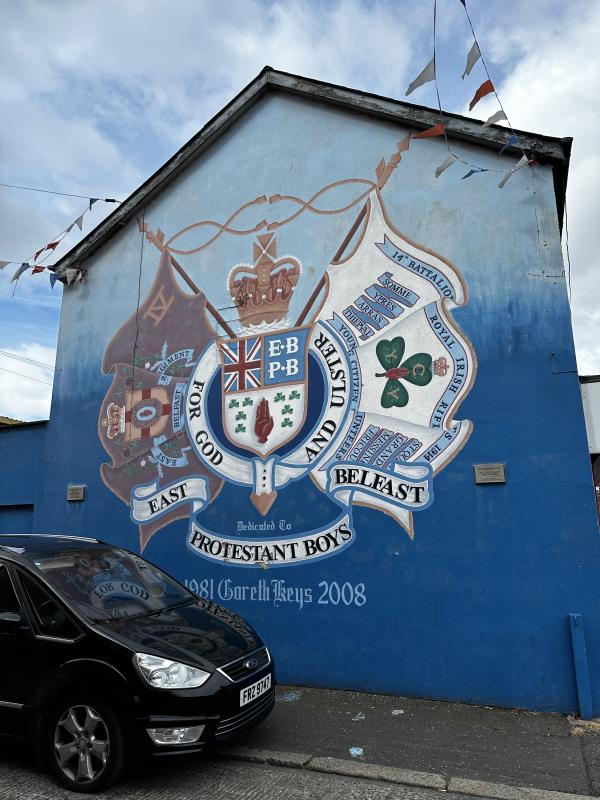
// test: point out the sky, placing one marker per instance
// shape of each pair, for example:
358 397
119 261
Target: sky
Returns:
96 96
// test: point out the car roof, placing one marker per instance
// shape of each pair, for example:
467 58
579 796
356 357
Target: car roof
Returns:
31 545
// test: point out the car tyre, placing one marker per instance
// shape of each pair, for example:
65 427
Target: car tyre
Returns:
85 744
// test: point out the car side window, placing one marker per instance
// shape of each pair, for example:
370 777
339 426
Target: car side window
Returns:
8 598
52 620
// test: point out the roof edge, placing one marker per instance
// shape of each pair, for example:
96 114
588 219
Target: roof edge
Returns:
545 149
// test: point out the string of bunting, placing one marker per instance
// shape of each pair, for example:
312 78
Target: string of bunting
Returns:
429 74
73 275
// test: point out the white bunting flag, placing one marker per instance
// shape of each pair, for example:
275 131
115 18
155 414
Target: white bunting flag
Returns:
79 222
472 59
4 263
20 270
427 75
72 274
493 119
445 164
521 163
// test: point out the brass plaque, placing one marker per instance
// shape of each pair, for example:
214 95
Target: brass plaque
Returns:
75 493
489 473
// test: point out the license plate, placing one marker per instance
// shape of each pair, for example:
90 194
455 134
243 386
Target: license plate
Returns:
255 690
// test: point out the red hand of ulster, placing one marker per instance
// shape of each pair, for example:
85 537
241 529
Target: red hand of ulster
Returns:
264 421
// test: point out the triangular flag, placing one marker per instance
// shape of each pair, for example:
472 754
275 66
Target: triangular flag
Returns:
53 279
71 273
445 164
472 59
37 268
427 75
521 163
473 172
4 263
493 119
68 230
437 130
513 140
92 201
79 222
485 88
37 255
20 270
51 246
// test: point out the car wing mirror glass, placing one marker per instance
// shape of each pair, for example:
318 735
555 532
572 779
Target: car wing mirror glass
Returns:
10 618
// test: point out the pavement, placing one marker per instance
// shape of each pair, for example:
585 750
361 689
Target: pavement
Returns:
332 745
500 746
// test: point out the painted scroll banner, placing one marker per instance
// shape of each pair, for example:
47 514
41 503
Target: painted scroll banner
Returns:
148 501
281 552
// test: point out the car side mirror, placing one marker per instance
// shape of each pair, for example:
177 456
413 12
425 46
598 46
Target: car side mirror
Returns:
10 619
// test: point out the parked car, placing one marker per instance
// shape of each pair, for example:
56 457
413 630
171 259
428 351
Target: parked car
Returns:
104 658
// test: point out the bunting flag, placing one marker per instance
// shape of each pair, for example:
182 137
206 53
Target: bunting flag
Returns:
493 119
74 275
20 270
445 164
513 140
474 172
79 221
437 130
53 279
486 88
520 163
472 59
92 201
4 263
37 268
428 74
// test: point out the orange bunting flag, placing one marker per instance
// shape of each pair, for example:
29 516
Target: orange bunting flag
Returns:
437 130
486 88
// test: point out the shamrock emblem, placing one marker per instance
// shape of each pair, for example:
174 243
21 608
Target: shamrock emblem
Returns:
248 401
416 370
294 395
279 396
240 415
287 423
240 428
287 410
234 403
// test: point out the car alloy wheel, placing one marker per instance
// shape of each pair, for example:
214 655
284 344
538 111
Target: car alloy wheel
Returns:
81 744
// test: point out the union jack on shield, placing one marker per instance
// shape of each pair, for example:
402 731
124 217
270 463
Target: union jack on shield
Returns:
242 364
264 388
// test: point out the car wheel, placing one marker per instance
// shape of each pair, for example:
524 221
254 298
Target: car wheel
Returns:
86 749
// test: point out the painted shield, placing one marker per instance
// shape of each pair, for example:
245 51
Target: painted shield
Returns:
264 379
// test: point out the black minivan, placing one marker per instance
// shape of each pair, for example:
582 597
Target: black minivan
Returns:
105 659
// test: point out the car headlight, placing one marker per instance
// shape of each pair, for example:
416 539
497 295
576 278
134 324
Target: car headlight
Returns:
161 673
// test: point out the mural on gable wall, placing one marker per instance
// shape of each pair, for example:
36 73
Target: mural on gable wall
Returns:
360 399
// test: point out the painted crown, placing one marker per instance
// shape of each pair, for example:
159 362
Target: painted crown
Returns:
262 292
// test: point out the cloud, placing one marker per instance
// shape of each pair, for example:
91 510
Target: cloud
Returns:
26 398
552 87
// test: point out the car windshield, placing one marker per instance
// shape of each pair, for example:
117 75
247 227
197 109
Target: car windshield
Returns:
109 583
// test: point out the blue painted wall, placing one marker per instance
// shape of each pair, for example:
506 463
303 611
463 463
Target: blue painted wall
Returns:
476 606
